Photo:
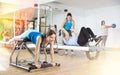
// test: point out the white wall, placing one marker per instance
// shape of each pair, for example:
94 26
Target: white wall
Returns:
92 18
77 15
110 15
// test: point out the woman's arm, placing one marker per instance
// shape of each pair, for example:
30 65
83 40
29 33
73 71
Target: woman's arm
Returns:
73 24
37 48
52 53
108 26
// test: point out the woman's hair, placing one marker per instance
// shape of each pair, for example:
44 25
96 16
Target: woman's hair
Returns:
102 22
69 14
50 32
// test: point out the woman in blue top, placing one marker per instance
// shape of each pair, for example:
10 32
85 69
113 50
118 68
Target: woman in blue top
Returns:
68 23
40 40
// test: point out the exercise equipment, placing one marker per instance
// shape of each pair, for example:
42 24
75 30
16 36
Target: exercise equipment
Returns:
44 18
113 25
43 65
92 52
27 64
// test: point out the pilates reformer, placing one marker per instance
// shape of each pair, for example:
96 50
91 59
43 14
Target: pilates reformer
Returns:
92 52
29 64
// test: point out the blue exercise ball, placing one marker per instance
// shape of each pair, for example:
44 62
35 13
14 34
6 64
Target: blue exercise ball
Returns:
113 25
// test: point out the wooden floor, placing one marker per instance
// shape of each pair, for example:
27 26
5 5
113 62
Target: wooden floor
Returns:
108 63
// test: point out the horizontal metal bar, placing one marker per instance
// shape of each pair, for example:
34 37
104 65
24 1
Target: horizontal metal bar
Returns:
19 66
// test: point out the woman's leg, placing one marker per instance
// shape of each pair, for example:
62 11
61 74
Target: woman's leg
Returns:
104 39
66 37
90 32
22 36
83 36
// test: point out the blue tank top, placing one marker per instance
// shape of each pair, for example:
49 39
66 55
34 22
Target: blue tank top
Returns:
68 25
33 37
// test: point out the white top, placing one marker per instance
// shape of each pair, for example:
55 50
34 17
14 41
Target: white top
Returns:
104 30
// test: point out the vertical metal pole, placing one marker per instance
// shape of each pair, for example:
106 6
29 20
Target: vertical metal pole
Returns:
14 23
45 18
38 17
26 22
51 16
20 26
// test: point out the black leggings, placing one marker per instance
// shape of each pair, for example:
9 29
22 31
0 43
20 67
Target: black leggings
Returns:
69 32
84 35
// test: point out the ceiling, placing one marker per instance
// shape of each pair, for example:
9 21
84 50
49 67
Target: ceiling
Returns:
89 4
7 6
13 5
84 4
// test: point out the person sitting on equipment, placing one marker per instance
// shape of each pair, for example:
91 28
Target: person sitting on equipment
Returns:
67 24
40 40
81 39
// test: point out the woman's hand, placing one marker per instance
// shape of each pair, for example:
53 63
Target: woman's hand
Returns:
72 29
53 64
37 65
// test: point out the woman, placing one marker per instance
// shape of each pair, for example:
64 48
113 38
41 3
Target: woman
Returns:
68 23
104 32
40 40
81 39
